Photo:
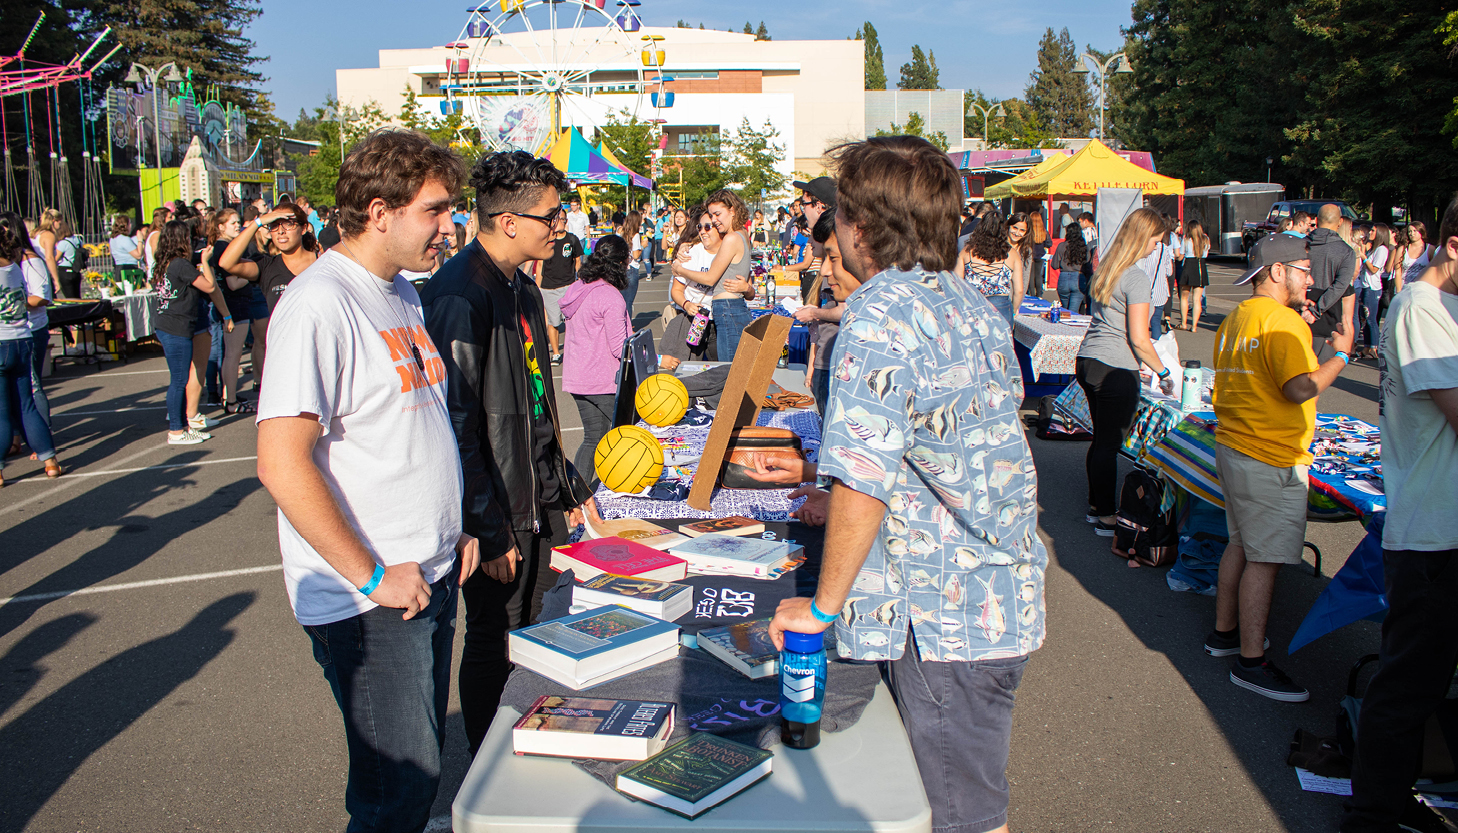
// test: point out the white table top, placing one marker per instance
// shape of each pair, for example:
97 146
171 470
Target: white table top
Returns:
862 779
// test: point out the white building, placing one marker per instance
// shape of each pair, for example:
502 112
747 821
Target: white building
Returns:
940 110
810 91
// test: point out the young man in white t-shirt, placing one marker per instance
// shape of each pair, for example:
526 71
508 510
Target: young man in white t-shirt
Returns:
1419 360
355 445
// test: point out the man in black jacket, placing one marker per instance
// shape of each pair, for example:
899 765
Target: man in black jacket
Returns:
1331 296
486 317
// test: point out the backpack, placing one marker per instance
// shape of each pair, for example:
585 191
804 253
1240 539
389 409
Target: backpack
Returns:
1144 532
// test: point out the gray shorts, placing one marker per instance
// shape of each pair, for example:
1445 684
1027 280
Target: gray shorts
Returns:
958 716
1265 506
552 301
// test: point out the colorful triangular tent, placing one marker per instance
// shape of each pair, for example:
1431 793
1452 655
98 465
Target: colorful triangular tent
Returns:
575 156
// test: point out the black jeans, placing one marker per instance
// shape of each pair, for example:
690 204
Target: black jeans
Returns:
1113 399
1419 653
492 609
596 410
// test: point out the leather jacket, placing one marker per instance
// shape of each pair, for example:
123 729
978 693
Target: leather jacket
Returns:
472 313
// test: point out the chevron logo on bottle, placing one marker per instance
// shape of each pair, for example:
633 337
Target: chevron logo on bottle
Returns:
796 685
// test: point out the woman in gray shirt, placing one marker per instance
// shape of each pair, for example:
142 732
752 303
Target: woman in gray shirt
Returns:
1108 362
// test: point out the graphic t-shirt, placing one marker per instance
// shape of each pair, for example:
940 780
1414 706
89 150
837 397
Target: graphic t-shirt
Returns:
1419 447
37 283
1258 349
240 300
178 299
557 271
273 277
543 432
343 345
14 324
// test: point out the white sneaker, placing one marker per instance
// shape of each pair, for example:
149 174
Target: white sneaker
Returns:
187 437
202 422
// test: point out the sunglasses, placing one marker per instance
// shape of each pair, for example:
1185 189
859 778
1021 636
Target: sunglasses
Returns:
551 218
706 227
286 223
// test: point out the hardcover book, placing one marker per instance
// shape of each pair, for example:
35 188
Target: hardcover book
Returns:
718 554
659 599
589 559
732 525
631 529
582 727
744 646
695 774
585 649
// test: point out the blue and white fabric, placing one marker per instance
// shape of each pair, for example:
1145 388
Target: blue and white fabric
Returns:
923 416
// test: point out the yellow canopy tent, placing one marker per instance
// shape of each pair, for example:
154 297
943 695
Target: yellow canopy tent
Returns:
1094 167
1004 189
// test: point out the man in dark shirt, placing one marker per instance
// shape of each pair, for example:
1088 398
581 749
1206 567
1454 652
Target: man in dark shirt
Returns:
1331 296
557 273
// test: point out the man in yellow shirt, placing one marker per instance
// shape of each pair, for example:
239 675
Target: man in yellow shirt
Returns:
1266 382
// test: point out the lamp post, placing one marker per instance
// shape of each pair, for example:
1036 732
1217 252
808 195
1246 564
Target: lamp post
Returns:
136 76
1269 162
1117 63
986 111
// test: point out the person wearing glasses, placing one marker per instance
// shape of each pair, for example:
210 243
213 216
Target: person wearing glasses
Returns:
522 493
293 249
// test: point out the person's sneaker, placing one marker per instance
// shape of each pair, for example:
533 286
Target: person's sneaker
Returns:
202 422
1103 530
1268 681
1090 519
187 437
1217 645
556 358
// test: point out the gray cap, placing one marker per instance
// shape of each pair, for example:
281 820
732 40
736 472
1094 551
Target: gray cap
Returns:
1274 248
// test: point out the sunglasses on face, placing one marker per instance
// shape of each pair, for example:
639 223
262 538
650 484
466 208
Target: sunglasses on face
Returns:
706 226
283 224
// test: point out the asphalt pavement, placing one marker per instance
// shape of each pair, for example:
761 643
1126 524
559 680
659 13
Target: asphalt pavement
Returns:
152 676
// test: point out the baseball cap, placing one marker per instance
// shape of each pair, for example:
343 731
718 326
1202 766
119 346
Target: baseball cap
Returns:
1271 249
821 188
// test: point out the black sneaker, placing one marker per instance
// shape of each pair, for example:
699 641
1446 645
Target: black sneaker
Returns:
1102 529
1268 681
1226 646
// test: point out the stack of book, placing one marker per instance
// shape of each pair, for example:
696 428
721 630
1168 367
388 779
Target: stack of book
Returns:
732 525
743 646
718 554
631 529
659 599
582 727
615 556
585 649
695 774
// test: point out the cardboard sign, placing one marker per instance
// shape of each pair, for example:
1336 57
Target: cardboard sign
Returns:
744 390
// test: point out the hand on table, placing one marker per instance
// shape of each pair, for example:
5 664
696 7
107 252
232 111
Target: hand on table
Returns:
815 511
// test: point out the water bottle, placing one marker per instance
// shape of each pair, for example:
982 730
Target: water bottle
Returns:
1190 389
770 287
802 689
697 327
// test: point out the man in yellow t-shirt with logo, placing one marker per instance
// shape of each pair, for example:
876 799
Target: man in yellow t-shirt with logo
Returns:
1266 382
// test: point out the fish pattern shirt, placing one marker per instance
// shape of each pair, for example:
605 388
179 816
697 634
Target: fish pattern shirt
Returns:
924 393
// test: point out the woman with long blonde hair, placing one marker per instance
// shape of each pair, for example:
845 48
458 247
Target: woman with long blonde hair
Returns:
1107 367
43 241
1193 277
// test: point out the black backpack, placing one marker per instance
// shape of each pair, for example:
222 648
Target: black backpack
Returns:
1143 533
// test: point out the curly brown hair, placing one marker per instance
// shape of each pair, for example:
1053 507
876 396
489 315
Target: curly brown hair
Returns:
988 242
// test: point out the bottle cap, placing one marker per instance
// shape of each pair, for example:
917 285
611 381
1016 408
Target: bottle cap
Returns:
804 643
1193 363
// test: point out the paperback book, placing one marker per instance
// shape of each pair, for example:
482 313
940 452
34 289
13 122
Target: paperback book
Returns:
593 647
732 525
582 727
696 774
659 599
615 556
743 646
718 554
631 529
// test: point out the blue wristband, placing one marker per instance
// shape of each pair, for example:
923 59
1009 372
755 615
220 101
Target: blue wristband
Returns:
821 615
374 580
1346 360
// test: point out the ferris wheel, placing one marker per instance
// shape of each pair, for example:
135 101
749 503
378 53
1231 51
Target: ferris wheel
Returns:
522 70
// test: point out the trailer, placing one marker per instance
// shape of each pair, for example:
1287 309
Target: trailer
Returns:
1225 209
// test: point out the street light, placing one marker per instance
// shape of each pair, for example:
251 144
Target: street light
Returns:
1269 162
136 76
1117 63
986 111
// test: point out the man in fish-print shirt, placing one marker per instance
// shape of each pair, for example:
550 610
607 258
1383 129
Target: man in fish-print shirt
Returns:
932 561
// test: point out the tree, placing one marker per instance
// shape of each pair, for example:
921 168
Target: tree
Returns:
1020 127
702 169
916 126
1449 31
750 160
318 174
875 60
1060 96
762 33
920 73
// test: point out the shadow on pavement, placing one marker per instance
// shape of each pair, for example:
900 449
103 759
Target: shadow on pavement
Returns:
51 740
20 669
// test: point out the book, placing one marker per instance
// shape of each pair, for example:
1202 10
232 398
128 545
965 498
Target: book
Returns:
582 727
743 646
631 529
732 525
659 599
589 559
718 554
696 774
585 649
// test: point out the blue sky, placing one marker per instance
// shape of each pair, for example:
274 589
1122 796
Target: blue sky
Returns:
977 43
